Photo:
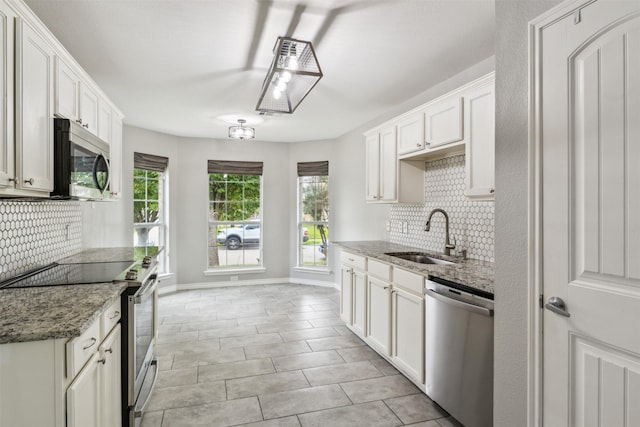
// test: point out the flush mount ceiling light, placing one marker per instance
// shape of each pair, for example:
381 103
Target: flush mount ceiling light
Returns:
293 73
241 131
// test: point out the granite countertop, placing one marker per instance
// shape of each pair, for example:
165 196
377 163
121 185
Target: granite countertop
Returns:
112 254
52 312
469 272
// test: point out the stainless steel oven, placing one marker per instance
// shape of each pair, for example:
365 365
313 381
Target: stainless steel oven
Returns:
139 367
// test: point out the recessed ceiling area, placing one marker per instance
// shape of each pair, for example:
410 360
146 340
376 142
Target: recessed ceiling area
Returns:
181 67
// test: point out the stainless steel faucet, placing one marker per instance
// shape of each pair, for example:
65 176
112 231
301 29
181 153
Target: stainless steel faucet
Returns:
447 244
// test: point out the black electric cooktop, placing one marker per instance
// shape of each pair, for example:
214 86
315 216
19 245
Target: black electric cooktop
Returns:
68 274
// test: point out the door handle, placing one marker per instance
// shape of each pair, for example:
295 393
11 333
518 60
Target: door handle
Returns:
556 304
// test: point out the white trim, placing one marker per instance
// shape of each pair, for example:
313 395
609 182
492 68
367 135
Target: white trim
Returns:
229 283
534 237
234 271
313 270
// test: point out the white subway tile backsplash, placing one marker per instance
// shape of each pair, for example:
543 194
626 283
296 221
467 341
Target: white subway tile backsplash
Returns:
33 234
471 222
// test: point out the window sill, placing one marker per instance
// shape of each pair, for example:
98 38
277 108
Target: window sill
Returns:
227 271
313 270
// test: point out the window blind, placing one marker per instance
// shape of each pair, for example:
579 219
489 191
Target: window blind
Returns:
150 162
313 168
234 167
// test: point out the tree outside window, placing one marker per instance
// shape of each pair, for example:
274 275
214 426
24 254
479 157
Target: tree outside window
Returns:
313 224
235 234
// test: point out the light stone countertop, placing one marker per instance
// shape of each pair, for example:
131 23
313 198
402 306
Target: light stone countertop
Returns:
469 272
52 312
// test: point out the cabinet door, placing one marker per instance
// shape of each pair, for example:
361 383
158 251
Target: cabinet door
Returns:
7 170
479 112
88 109
34 114
378 314
346 295
83 404
67 85
411 133
408 333
104 121
444 122
372 167
110 380
115 157
359 302
388 165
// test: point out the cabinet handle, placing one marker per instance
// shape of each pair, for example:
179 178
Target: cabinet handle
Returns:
93 341
113 193
86 125
29 181
492 191
13 180
103 361
115 314
418 145
108 350
385 288
79 121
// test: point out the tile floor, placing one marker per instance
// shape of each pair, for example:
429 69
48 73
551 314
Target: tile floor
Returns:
274 355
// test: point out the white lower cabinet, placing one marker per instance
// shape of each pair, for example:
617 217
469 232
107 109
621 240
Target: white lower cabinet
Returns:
379 315
353 291
83 406
359 302
110 380
407 328
391 320
62 382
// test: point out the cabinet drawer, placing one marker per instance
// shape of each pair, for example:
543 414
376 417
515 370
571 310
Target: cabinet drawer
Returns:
409 281
80 349
379 270
353 260
110 317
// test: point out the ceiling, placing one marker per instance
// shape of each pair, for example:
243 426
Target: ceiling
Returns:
182 67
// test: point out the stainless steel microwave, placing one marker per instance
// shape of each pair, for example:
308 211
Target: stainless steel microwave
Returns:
81 163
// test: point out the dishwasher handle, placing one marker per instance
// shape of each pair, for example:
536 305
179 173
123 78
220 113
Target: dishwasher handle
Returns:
461 304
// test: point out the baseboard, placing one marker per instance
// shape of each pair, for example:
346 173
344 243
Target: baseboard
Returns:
230 283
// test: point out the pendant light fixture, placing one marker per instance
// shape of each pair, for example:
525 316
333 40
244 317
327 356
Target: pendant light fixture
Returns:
293 73
241 131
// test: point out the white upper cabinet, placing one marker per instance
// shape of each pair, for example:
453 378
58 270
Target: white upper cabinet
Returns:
410 133
443 122
7 161
104 121
67 87
34 110
389 180
39 80
479 106
88 109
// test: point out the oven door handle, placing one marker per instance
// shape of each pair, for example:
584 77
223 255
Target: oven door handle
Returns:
147 289
138 411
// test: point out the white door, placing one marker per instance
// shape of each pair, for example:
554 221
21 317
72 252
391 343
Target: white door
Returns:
590 206
411 133
110 390
346 294
83 403
359 301
408 333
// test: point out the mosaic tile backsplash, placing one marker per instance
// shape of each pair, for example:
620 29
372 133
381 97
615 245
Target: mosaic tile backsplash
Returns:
471 222
33 234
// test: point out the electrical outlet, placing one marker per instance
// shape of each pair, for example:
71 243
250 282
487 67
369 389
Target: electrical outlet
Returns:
388 225
68 231
234 278
405 227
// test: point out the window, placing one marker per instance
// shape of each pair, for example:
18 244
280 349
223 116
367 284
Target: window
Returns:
150 205
313 214
235 215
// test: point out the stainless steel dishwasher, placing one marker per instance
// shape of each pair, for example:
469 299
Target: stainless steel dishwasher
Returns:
459 351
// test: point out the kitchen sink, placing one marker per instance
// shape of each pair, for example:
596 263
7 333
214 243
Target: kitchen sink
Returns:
418 257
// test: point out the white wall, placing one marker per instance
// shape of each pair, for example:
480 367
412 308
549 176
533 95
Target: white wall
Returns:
510 388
